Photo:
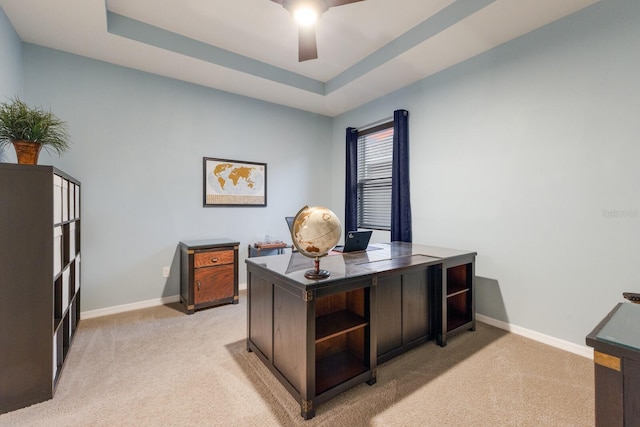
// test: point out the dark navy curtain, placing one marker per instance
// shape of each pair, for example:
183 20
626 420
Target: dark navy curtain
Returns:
351 180
400 198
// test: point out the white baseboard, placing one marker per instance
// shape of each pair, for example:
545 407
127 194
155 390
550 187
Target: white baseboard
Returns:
137 305
580 350
129 307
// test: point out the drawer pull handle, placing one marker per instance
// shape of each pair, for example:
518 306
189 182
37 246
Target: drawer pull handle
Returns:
214 259
198 284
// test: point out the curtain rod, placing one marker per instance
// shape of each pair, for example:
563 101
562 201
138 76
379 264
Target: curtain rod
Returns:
377 122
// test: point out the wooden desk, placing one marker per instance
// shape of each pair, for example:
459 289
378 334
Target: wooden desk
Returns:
322 337
616 357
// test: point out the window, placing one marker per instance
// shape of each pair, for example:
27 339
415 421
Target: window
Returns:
375 160
376 181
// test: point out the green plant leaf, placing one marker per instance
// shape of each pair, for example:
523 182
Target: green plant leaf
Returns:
18 121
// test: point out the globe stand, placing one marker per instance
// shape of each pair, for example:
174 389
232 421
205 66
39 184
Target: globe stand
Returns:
316 274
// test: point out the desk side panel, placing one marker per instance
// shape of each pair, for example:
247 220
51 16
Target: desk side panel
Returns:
389 315
261 314
416 310
289 336
609 397
632 391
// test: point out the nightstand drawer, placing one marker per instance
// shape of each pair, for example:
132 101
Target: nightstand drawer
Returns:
209 259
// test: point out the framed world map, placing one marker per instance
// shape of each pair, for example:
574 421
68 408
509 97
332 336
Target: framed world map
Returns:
234 183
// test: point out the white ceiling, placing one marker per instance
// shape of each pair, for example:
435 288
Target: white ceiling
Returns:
249 47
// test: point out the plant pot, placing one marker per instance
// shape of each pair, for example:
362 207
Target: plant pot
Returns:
27 152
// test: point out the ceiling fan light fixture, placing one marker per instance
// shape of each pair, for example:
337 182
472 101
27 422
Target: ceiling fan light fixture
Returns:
305 12
305 15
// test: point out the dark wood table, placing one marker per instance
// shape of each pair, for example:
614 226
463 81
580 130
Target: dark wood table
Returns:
322 337
616 357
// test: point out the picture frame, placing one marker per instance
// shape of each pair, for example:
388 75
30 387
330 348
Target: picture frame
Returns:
233 183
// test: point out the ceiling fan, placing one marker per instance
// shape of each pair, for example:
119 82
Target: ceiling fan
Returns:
306 12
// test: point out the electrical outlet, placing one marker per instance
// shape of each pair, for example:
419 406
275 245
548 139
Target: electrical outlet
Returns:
165 271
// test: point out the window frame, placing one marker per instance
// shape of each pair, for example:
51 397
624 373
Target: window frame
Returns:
386 182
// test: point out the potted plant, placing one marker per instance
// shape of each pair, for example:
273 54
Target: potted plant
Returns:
30 129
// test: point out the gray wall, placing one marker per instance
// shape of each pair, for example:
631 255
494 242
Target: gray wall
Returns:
138 144
529 155
10 71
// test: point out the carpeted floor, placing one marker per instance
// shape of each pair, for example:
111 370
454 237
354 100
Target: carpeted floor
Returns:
160 367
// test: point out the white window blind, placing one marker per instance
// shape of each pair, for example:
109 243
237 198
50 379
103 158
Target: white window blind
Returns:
375 159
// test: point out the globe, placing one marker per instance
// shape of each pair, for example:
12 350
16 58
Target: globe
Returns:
315 231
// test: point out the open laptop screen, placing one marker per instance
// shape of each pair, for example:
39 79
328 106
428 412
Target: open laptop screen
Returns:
355 241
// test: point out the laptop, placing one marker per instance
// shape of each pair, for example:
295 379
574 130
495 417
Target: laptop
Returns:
355 241
289 220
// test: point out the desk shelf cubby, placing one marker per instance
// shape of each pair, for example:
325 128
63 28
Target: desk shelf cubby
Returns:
341 324
458 307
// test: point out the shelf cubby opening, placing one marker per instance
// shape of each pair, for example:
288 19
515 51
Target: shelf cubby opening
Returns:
352 301
57 301
77 237
57 251
336 323
71 238
73 319
77 274
58 355
66 275
72 280
65 200
458 310
66 339
339 359
57 199
458 278
65 244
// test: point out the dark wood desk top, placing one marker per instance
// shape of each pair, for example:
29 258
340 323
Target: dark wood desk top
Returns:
618 331
378 258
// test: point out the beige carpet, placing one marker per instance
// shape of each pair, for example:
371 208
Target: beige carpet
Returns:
160 367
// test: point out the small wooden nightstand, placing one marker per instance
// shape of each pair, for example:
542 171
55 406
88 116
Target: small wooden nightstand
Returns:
208 273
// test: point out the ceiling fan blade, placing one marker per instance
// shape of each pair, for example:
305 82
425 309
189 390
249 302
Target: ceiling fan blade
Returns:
307 48
278 1
334 3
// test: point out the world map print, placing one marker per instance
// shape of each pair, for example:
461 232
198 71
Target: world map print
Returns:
235 183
